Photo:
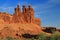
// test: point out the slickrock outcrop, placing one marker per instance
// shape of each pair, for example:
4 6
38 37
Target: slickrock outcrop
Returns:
20 22
13 29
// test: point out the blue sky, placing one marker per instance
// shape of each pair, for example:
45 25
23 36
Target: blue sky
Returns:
47 10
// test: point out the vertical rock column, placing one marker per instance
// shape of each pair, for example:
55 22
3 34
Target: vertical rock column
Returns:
30 14
16 14
24 11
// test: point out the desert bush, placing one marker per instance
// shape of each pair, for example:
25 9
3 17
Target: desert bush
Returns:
41 36
9 38
55 36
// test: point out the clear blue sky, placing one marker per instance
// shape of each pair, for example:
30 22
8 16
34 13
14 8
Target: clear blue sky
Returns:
47 10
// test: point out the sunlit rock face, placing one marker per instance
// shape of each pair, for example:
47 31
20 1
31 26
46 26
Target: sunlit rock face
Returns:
26 16
20 22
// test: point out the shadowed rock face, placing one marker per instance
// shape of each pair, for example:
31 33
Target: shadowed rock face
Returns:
49 29
29 36
19 23
26 16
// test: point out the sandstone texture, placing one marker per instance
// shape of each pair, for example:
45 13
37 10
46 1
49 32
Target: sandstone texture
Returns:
20 22
26 16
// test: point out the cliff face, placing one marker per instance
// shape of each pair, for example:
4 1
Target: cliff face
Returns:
12 29
19 23
26 16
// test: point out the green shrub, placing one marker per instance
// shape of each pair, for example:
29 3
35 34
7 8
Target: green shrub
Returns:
9 38
42 36
55 36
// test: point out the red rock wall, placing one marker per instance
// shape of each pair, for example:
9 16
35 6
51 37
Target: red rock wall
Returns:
37 21
26 16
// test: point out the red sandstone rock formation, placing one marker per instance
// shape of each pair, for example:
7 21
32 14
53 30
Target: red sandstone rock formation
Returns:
13 29
19 22
26 16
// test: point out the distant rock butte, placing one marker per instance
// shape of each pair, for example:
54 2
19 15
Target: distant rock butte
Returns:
19 22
